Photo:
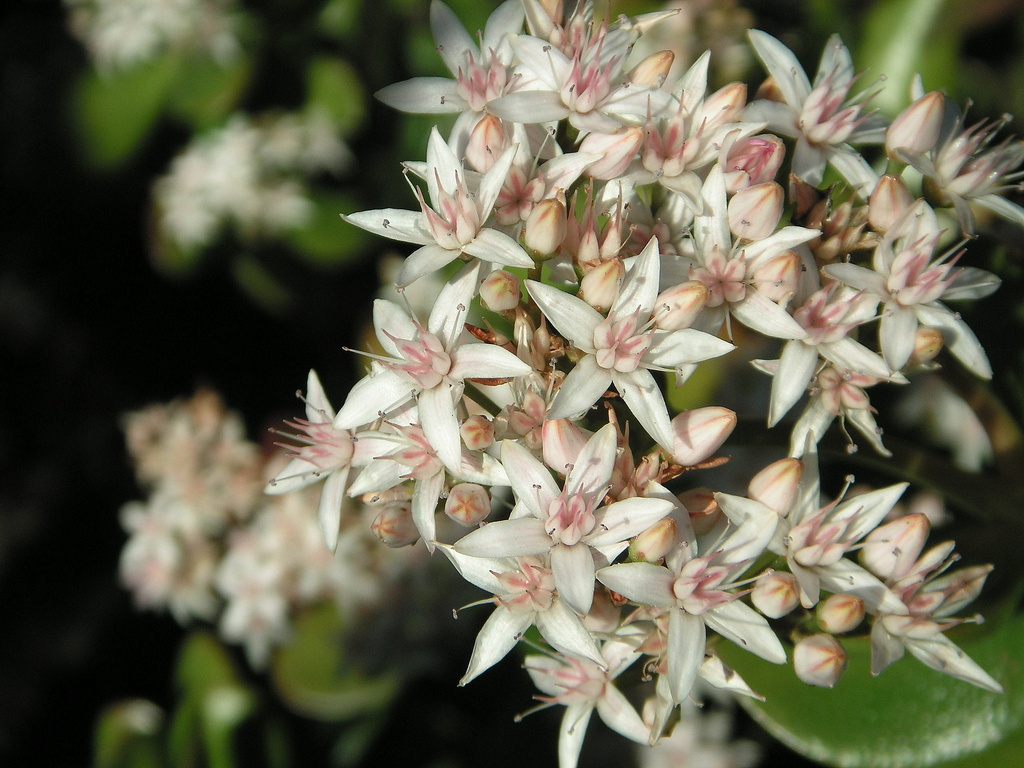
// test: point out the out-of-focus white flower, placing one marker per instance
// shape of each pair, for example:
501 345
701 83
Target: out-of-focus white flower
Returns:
700 739
248 175
122 33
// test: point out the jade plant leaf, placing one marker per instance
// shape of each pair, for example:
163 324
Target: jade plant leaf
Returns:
910 716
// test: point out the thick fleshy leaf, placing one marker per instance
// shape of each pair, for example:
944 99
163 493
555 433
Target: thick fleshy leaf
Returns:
908 717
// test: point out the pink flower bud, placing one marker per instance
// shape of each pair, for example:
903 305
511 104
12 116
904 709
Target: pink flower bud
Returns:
819 660
600 286
888 202
775 486
753 160
702 507
652 71
928 343
477 432
467 504
562 441
678 307
654 543
486 143
776 594
500 291
721 107
545 228
916 129
754 212
617 151
891 550
840 613
779 277
700 432
394 526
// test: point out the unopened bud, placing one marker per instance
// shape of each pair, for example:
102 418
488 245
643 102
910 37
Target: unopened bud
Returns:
652 71
776 594
819 660
499 291
477 432
928 343
678 307
721 107
702 507
753 160
699 433
545 228
654 543
775 486
888 202
769 90
916 129
394 526
600 286
616 150
955 590
890 551
778 278
754 212
467 504
840 613
486 144
562 443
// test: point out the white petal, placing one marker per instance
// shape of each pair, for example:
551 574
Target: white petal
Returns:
866 510
857 277
389 320
531 482
619 715
442 165
971 283
942 654
373 395
479 571
960 339
854 356
580 390
783 66
593 466
485 361
453 42
571 733
644 398
318 407
441 425
796 368
812 424
544 60
506 19
573 568
715 673
529 107
686 644
765 316
495 247
297 473
673 349
573 317
452 304
506 538
639 287
855 169
846 577
885 648
492 181
425 494
747 628
393 223
499 635
329 509
624 519
423 96
423 261
808 161
1000 206
562 628
897 333
643 583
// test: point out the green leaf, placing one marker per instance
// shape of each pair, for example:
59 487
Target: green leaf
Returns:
325 240
903 38
203 665
127 736
334 85
206 92
313 675
116 110
340 18
909 717
260 284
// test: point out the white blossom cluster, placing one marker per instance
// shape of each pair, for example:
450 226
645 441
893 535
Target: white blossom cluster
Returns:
602 228
120 34
249 175
207 544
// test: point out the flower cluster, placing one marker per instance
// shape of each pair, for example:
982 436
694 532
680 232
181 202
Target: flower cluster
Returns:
124 33
247 175
601 229
209 545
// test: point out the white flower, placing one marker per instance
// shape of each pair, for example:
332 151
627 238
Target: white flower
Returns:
430 364
454 222
823 119
624 347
